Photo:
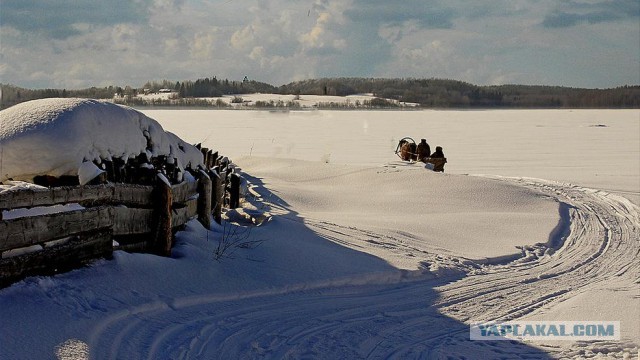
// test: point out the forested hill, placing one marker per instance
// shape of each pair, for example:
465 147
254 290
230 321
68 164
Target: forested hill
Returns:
440 93
429 93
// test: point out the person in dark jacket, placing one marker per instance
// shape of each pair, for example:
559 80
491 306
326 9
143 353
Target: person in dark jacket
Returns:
437 159
438 153
423 150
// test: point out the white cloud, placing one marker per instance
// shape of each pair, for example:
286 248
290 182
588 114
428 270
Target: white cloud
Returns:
171 46
257 53
340 43
278 41
243 38
203 45
124 37
314 37
390 33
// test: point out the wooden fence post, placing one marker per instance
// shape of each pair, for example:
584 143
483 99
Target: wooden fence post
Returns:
205 153
214 159
216 194
224 181
163 236
204 199
234 194
210 159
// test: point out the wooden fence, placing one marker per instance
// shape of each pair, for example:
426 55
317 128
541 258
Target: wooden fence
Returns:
113 216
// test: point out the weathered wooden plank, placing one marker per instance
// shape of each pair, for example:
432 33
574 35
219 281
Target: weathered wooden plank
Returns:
217 193
109 193
234 192
183 191
183 214
131 194
27 231
133 242
205 153
82 193
129 221
204 199
53 196
161 233
59 258
140 246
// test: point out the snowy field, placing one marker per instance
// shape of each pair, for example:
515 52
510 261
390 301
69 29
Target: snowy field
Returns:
364 256
595 148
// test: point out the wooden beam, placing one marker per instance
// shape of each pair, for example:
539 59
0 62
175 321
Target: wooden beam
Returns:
70 255
129 221
205 153
214 159
204 199
162 234
27 231
132 195
53 196
217 193
183 214
234 192
128 194
138 246
183 191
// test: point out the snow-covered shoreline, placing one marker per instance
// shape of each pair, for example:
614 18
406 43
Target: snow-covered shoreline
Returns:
277 102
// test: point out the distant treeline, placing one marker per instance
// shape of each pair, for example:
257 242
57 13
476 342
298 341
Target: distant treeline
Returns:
429 93
441 93
208 87
12 95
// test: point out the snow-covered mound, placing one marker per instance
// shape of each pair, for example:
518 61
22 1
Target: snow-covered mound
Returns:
55 136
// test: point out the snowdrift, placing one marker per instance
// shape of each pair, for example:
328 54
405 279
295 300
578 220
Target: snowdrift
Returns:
55 136
390 211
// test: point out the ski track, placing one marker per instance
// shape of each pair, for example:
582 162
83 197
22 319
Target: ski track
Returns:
407 316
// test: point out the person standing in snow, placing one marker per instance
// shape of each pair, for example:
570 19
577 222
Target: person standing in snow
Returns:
423 150
437 159
438 153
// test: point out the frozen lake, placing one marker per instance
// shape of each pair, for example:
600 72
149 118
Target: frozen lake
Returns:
594 148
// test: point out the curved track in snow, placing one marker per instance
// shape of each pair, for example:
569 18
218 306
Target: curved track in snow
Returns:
602 247
411 316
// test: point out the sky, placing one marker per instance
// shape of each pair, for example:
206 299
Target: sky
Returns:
81 43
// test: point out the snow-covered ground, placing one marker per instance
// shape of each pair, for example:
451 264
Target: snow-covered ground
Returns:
595 148
364 256
305 101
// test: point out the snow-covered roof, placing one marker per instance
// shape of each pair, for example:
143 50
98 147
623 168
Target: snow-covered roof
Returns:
55 136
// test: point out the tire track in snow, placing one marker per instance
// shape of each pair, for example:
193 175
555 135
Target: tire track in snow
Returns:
602 246
397 318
